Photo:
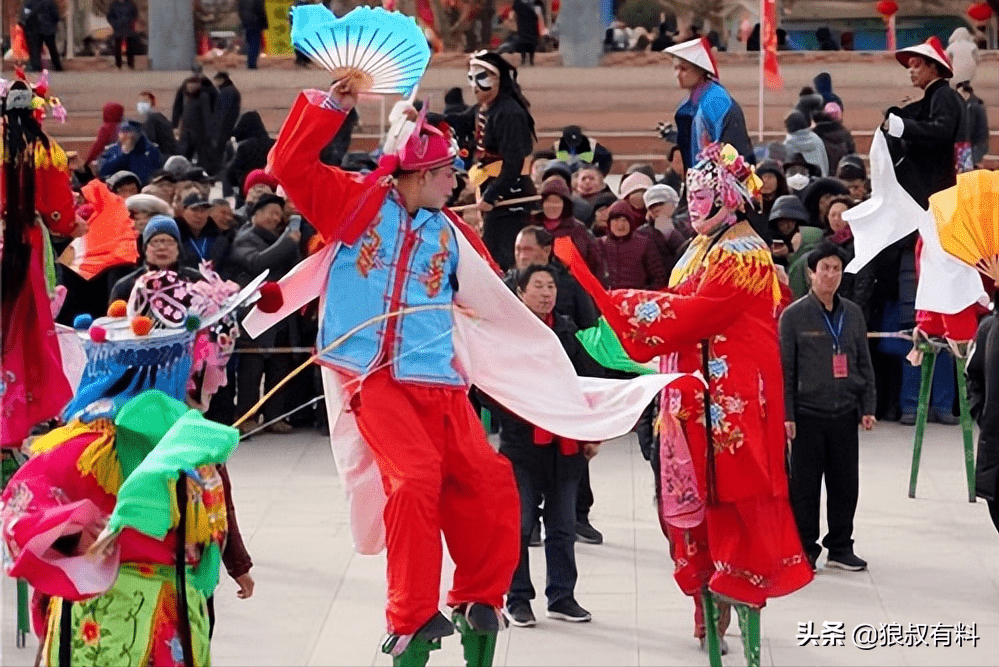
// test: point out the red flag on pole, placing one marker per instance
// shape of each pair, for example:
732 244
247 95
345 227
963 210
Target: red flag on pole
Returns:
768 37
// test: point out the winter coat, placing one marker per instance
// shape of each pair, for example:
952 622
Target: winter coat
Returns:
178 100
227 108
633 262
581 237
108 134
837 139
256 250
252 146
983 390
811 147
924 155
121 16
142 161
213 244
253 14
963 55
157 129
976 128
527 25
823 86
40 17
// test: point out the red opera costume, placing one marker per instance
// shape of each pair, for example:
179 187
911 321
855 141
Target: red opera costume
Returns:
438 470
730 523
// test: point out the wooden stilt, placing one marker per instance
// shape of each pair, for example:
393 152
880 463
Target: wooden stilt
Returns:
925 384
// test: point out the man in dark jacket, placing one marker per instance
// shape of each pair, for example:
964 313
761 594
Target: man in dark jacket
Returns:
197 124
121 16
252 146
155 125
837 139
976 123
40 19
828 385
133 152
227 109
983 392
528 35
201 238
268 244
922 134
253 17
547 466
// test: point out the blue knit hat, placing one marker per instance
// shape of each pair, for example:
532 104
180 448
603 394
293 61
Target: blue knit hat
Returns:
160 224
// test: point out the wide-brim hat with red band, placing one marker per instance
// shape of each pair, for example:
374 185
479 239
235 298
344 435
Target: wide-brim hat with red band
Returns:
697 52
931 49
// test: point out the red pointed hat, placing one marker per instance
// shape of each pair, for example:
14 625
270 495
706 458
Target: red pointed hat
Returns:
931 49
428 146
698 53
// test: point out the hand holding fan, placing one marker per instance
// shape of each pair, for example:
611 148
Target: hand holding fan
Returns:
381 52
967 217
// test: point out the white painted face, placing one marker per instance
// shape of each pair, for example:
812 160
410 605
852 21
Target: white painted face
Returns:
482 79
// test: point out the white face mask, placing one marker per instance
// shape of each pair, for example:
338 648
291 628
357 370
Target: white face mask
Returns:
797 181
143 107
481 79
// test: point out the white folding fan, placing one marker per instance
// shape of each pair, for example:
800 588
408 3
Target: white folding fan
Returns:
384 52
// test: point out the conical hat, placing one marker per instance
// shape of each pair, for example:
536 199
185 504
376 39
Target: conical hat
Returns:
697 52
931 49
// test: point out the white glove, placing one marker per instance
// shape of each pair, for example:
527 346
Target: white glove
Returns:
895 126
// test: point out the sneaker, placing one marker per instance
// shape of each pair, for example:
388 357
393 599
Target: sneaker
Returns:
521 615
943 417
535 540
587 533
568 609
908 419
847 561
246 427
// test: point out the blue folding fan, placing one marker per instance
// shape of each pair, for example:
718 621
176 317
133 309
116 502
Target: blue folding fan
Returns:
384 52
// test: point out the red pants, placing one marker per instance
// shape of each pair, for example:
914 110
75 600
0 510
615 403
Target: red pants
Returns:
440 474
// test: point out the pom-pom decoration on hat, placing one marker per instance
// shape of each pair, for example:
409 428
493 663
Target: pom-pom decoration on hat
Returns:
141 325
98 334
82 322
722 170
381 52
118 308
271 298
192 323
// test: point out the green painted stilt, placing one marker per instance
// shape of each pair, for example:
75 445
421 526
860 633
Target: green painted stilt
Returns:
966 426
480 646
749 625
925 384
711 627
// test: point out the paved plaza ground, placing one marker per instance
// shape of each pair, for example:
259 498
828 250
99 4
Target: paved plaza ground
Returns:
934 560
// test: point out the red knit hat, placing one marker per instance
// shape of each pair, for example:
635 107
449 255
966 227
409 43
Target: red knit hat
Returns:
258 177
931 49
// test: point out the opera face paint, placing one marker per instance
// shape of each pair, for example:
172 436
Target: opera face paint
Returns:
700 203
485 83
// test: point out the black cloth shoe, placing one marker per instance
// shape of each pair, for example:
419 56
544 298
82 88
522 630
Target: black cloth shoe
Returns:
847 561
568 609
587 533
521 614
535 540
943 417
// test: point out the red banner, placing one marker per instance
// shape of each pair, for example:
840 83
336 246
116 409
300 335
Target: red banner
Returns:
768 37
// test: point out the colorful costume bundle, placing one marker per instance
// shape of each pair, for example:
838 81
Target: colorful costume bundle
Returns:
35 198
137 465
